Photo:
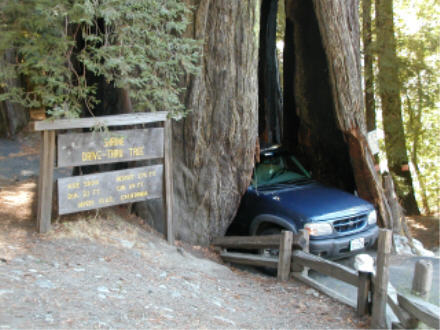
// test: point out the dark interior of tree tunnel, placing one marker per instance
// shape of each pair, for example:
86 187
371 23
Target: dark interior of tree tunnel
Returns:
295 101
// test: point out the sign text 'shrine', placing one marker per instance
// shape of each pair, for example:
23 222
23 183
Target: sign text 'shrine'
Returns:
93 191
109 147
86 192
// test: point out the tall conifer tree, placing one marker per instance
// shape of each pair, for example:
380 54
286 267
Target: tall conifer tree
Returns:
389 91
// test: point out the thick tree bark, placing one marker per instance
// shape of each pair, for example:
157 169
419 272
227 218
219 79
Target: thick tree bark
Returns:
213 147
389 90
370 106
270 100
324 122
310 125
338 24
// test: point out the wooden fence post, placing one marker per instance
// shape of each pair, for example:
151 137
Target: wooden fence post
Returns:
45 181
306 236
378 319
168 179
285 255
364 287
302 236
422 280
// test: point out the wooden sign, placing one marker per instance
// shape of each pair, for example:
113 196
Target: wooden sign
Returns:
109 147
87 192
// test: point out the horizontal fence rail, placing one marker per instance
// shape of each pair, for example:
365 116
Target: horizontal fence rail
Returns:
284 243
257 242
114 120
326 267
424 312
248 242
249 259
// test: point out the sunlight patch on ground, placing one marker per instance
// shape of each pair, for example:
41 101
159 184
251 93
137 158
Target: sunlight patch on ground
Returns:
16 201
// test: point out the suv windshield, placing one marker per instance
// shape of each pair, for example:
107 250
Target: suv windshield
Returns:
278 168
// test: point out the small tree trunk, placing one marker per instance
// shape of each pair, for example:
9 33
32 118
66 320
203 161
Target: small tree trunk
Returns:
389 90
13 116
417 138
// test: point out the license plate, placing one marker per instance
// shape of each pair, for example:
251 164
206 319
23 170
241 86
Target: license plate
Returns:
357 244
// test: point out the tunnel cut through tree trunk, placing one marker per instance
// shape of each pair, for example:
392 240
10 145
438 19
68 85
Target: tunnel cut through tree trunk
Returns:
310 124
324 121
341 40
213 147
270 103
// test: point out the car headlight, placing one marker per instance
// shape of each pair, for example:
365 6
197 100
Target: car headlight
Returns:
372 217
318 228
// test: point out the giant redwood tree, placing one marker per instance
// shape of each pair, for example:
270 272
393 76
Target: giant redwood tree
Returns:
389 91
323 109
214 145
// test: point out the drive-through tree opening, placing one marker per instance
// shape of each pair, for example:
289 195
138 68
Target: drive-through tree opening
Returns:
270 104
300 115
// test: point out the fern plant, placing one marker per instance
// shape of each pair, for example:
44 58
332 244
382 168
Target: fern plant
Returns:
138 45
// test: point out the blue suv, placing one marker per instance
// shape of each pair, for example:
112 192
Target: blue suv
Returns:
282 195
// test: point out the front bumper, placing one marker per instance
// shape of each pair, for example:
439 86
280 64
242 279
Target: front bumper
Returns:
336 248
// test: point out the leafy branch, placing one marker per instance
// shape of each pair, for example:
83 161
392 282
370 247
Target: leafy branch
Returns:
138 45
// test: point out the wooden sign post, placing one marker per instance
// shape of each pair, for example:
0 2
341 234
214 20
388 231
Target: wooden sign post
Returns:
86 192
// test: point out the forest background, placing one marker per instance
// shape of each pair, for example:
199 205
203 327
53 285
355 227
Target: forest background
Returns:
416 84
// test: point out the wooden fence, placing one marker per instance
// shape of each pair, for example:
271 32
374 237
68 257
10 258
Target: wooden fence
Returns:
373 292
293 260
284 242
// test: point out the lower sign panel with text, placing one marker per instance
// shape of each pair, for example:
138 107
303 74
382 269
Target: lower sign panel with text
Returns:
92 191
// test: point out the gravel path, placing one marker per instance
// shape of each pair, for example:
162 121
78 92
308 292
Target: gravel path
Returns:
108 270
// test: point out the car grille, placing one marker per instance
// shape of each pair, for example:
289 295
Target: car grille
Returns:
350 224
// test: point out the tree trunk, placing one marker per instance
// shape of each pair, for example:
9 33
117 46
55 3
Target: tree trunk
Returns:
270 100
338 24
310 125
415 127
389 90
213 147
324 122
370 106
13 116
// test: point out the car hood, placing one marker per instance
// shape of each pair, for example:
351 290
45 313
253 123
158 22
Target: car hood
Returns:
316 202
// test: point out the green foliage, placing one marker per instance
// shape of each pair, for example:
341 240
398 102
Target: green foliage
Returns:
417 30
137 45
418 34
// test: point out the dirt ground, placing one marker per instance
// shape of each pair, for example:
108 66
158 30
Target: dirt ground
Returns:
108 270
426 229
